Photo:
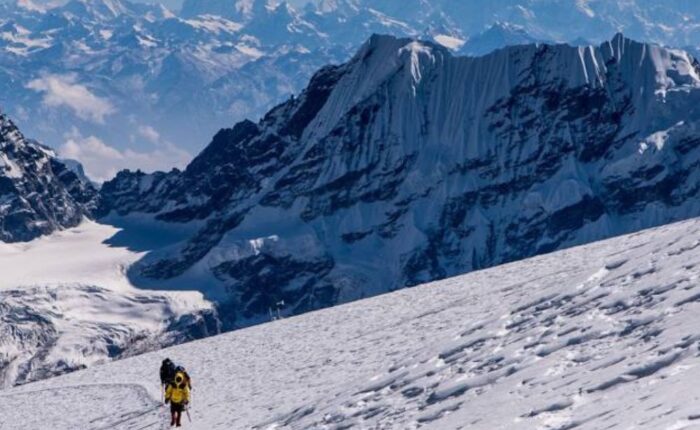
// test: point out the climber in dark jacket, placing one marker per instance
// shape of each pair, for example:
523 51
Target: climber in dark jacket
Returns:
167 372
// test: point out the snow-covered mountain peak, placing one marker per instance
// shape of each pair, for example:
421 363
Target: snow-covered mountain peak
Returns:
342 7
505 26
34 5
499 35
380 59
384 55
12 147
397 67
9 131
238 10
98 9
425 164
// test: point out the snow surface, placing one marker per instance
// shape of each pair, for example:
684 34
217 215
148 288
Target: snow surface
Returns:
595 337
84 259
90 254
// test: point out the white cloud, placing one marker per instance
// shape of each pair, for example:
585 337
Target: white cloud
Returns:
149 133
62 90
102 162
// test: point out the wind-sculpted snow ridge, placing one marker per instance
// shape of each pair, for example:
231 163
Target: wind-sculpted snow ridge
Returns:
39 194
408 164
595 337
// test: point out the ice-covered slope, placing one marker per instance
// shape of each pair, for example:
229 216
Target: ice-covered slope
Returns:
65 303
595 337
408 164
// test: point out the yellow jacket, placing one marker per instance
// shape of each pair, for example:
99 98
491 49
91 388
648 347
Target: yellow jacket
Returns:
177 393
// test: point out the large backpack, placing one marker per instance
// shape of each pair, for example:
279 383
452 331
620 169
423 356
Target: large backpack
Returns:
180 369
167 372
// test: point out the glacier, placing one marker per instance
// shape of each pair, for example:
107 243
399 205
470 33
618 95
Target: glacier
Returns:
66 304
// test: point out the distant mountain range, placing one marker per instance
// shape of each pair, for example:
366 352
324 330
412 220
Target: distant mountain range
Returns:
120 84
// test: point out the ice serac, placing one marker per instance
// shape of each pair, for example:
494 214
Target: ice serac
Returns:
408 164
39 194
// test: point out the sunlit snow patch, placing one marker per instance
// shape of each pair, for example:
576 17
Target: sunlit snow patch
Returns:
449 42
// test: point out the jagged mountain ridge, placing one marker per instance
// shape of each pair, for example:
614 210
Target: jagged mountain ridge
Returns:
408 164
39 194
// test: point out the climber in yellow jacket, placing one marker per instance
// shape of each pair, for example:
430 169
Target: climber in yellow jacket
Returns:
178 395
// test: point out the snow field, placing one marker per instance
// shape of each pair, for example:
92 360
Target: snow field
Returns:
595 337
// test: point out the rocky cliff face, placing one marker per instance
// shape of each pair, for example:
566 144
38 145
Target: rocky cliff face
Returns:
38 193
408 164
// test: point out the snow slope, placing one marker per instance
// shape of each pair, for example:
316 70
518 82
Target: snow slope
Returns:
596 337
84 259
66 303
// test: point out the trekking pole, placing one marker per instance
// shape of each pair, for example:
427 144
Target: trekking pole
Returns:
187 408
